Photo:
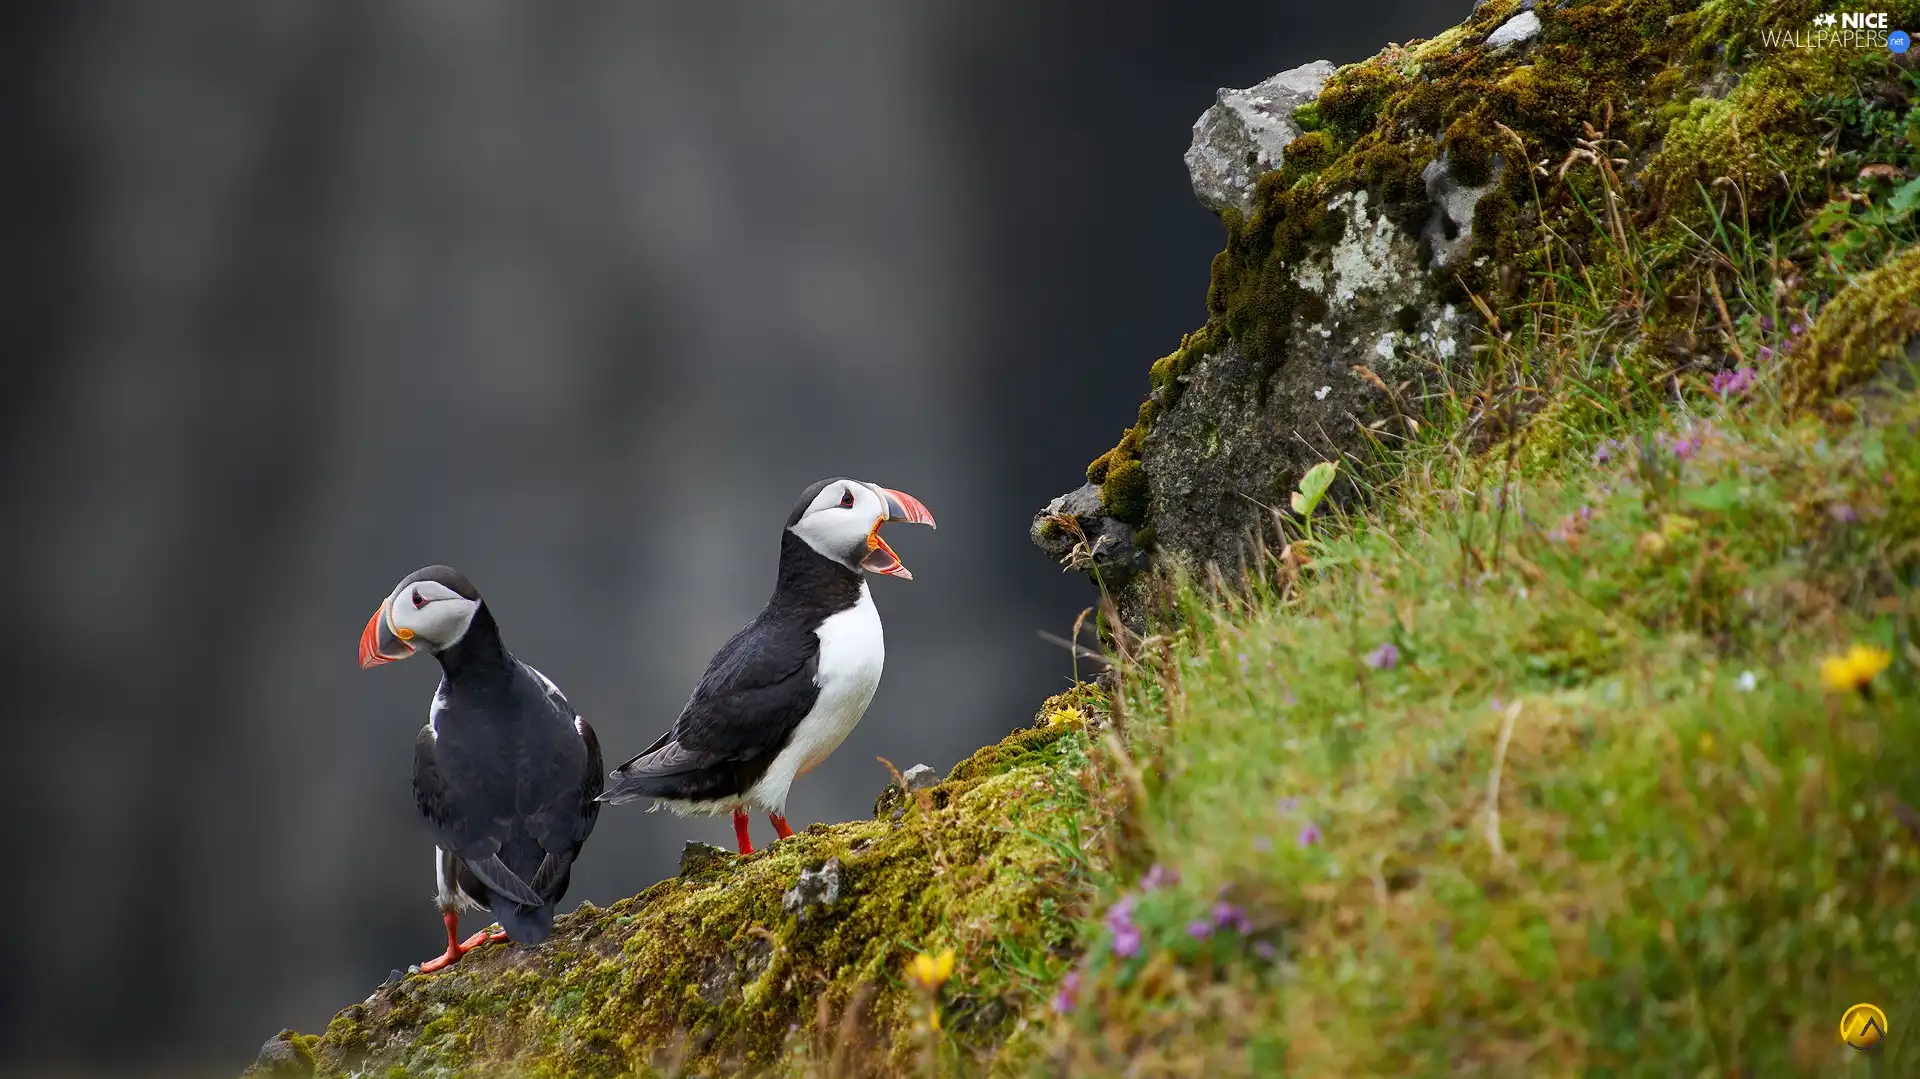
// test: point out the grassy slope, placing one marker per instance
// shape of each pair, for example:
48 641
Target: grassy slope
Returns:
1599 814
1699 860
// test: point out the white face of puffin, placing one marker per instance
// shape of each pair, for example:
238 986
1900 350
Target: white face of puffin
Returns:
425 613
843 523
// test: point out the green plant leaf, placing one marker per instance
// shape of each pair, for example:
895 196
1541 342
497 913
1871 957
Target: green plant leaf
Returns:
1313 487
1720 497
1905 197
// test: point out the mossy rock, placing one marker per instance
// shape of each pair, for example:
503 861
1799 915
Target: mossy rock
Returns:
1867 324
1642 125
712 972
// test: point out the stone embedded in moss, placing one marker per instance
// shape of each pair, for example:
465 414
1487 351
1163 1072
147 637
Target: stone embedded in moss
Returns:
1248 132
286 1055
1123 495
1868 323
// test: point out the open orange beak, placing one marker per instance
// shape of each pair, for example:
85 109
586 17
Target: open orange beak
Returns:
378 644
900 507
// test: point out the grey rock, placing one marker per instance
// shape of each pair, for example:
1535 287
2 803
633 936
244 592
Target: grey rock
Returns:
1244 133
697 855
723 975
1238 438
816 888
892 801
1079 536
718 979
1450 230
1518 30
280 1058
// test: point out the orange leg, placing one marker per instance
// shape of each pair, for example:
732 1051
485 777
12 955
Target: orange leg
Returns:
455 946
740 825
780 825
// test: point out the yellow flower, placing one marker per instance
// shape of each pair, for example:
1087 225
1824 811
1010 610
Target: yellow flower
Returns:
1706 743
1853 671
1066 715
931 972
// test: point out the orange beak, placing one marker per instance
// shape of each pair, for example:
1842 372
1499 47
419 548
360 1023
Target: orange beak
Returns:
900 507
378 644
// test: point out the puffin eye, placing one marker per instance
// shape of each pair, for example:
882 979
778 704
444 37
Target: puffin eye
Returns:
419 600
846 500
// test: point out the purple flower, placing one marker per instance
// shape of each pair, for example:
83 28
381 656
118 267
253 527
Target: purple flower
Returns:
1288 805
1766 323
1843 513
1606 450
1243 664
1796 330
1309 834
1159 876
1228 916
1199 929
1586 513
1263 949
1126 935
1684 448
1383 658
1765 355
1069 993
1496 704
1733 383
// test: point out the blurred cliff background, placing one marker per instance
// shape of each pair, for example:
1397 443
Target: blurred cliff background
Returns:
299 296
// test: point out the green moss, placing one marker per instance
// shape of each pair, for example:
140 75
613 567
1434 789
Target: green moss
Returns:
1867 324
1763 136
1307 155
1097 471
1124 493
711 961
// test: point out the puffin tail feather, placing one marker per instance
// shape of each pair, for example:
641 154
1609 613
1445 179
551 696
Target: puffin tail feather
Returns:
524 924
502 880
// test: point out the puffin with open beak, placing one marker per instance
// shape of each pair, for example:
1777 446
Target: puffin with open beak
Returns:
786 690
505 772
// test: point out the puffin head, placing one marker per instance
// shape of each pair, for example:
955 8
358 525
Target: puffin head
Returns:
431 607
841 519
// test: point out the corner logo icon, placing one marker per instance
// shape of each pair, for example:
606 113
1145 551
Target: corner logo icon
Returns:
1864 1027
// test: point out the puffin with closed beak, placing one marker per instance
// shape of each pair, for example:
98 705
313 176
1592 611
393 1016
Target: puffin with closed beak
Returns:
786 690
505 772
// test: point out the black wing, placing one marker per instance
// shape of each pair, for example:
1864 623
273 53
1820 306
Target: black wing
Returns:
463 826
757 689
568 805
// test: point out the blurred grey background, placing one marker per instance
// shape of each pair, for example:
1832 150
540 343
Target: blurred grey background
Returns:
301 295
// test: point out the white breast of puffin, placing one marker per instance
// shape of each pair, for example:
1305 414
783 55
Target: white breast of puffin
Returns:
852 652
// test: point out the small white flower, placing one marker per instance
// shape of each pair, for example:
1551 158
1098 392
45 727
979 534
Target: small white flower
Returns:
1747 681
1321 393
